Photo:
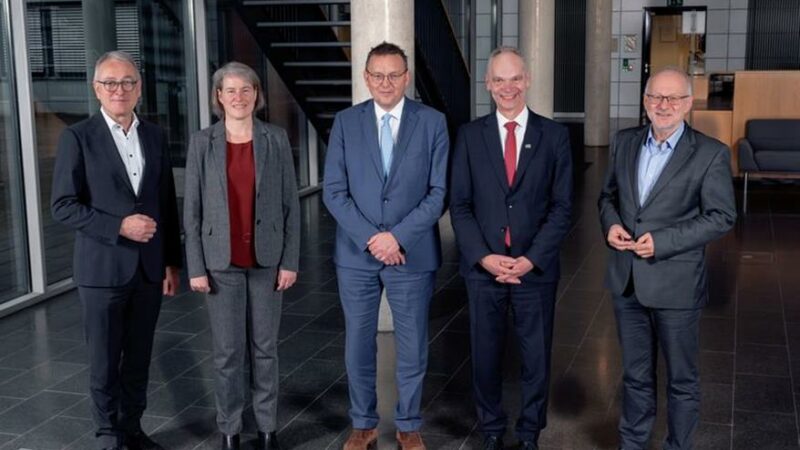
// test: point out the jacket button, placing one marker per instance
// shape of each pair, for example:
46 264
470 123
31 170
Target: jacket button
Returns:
386 200
510 206
258 222
638 220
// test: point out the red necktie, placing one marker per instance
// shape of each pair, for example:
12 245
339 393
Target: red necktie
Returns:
510 155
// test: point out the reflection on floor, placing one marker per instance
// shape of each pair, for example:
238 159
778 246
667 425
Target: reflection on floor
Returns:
750 356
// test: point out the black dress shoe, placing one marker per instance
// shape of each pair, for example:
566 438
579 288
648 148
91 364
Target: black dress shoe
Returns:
230 442
493 443
528 445
267 441
137 440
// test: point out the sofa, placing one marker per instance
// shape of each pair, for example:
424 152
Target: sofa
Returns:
770 149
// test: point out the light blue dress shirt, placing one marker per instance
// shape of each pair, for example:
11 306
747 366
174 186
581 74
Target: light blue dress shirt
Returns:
653 158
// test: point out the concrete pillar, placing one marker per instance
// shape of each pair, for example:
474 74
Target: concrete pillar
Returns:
372 22
597 80
537 23
101 36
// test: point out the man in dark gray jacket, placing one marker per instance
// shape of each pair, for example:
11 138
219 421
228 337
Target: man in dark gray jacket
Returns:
668 193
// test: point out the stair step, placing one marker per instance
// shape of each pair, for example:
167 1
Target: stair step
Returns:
317 64
309 44
329 99
310 23
323 82
294 2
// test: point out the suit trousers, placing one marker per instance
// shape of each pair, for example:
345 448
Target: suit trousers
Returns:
245 313
531 306
119 323
642 331
409 295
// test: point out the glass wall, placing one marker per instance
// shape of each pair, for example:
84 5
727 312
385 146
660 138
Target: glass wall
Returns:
65 38
229 39
14 268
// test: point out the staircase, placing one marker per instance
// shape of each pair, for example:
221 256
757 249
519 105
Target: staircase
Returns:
308 43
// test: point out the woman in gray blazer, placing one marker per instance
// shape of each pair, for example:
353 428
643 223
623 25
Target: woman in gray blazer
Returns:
242 221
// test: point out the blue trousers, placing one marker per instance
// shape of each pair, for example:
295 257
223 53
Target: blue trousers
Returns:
642 331
409 295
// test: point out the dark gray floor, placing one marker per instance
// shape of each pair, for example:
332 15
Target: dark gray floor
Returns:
750 356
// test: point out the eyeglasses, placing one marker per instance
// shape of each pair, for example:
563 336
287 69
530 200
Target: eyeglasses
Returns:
112 85
673 100
515 80
393 78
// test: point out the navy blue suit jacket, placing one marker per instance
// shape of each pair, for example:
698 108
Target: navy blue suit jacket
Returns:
91 193
408 203
537 206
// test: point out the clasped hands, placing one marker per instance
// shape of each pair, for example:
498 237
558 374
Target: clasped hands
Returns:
385 248
621 240
506 269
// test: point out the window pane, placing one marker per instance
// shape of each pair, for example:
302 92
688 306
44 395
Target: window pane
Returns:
64 40
14 268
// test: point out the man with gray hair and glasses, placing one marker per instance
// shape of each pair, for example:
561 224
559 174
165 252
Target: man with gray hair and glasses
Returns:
668 192
113 185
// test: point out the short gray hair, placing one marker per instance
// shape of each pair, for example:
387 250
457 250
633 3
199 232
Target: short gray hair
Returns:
671 69
116 55
504 49
235 69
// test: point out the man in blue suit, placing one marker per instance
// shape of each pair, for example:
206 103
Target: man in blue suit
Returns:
510 203
385 181
112 184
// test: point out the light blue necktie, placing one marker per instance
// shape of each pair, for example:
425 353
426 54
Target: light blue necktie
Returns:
386 143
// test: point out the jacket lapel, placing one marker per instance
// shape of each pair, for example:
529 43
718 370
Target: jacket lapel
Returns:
494 152
261 147
108 148
218 149
408 122
369 126
632 161
683 151
530 143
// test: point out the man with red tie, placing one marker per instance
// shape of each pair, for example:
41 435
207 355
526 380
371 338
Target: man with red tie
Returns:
510 202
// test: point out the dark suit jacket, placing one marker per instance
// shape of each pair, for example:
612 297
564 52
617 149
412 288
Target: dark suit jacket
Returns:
205 206
92 194
408 203
691 204
537 206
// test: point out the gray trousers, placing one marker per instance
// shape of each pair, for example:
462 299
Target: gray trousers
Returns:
245 310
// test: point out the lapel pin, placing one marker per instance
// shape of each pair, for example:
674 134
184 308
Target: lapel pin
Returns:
527 145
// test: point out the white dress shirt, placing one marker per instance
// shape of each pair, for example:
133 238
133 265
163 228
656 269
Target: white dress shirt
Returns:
394 122
519 130
129 148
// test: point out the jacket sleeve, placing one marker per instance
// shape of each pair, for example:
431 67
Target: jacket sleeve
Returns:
336 191
193 209
546 245
68 203
717 212
469 237
427 213
291 207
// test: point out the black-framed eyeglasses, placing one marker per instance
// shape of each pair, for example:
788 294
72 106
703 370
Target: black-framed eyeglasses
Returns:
377 77
673 100
112 85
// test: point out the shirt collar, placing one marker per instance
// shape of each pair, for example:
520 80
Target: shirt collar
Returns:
113 124
396 112
521 119
671 141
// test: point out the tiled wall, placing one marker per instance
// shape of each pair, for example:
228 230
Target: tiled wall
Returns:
726 28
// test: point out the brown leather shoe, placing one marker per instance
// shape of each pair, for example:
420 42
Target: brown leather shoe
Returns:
411 440
361 439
